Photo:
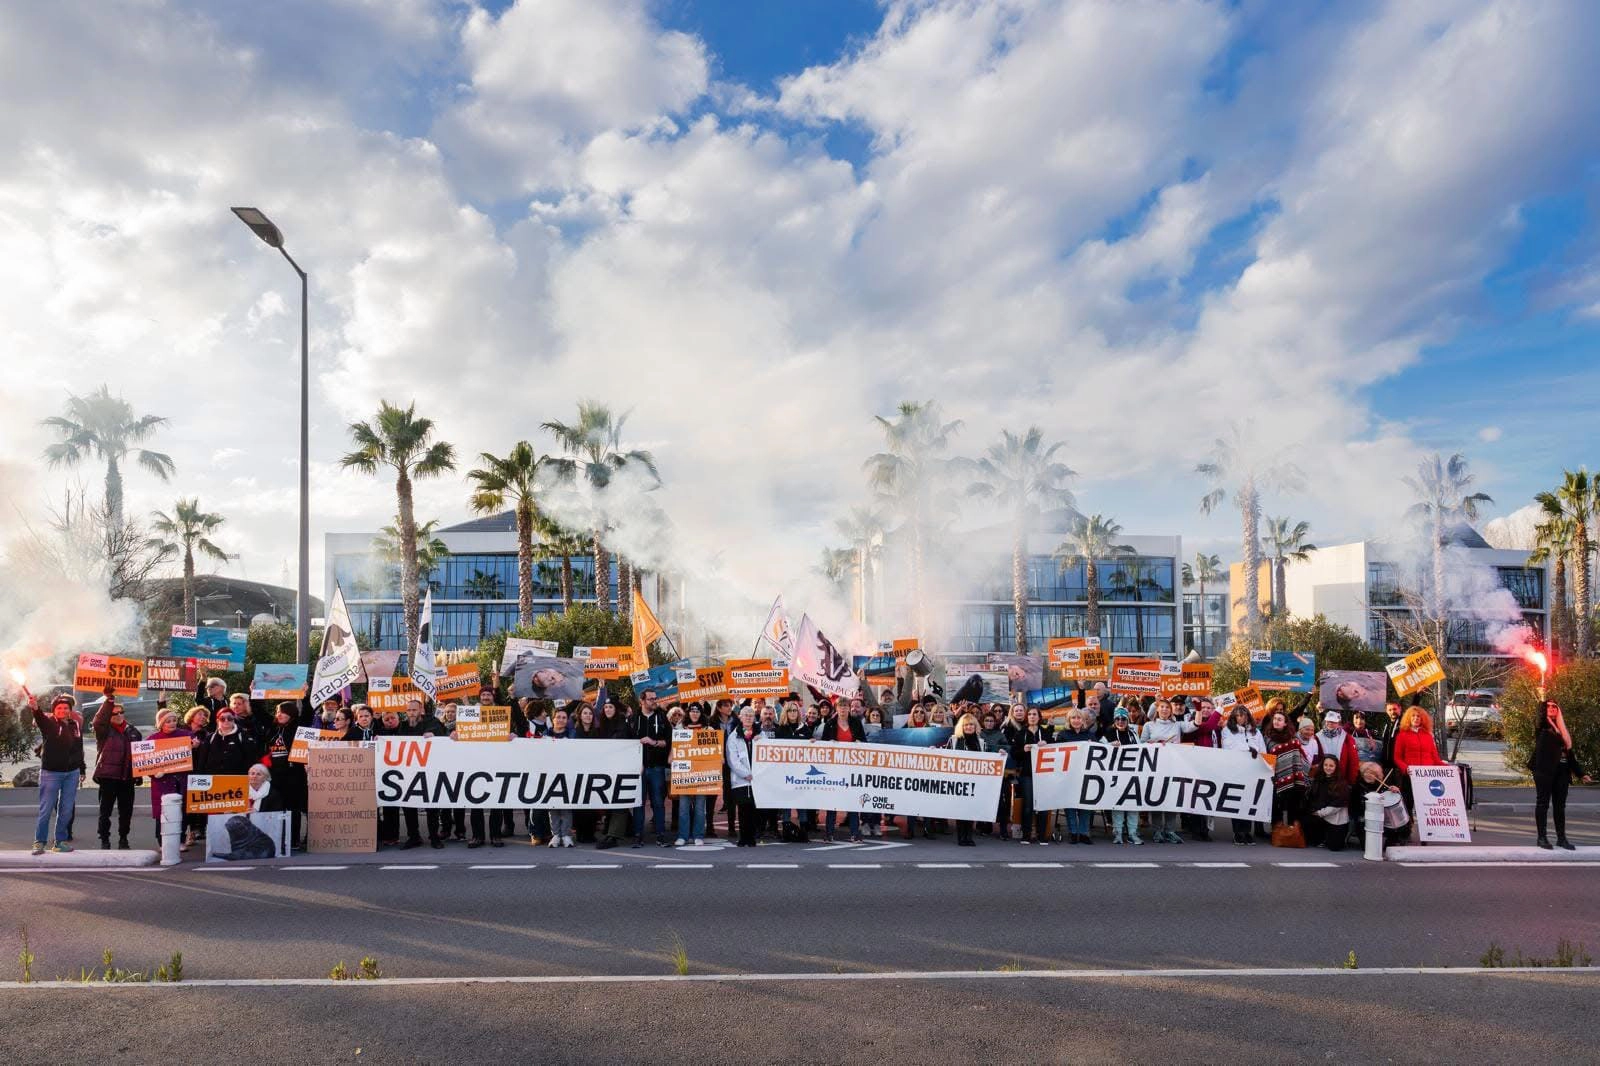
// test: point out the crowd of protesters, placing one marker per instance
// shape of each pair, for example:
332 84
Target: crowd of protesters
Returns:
1323 772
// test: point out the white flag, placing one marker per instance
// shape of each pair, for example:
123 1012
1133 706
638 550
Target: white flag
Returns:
422 668
340 662
819 664
777 632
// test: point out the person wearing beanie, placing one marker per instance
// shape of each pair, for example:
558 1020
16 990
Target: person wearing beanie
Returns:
1124 823
113 769
61 769
1337 741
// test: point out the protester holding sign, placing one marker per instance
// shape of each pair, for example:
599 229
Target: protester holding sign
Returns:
113 770
1164 729
1122 734
1290 771
846 729
560 819
1553 765
288 777
655 733
61 770
1414 746
967 737
1334 740
739 753
692 815
1021 740
164 784
1078 819
1241 735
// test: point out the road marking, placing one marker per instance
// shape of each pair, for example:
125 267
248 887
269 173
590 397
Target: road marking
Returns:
1307 865
1218 865
410 866
591 866
313 867
504 866
209 869
855 866
944 866
1035 865
1126 865
682 866
772 866
834 847
882 847
1256 973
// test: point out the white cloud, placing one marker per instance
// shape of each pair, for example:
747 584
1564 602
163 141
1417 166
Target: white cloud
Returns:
1020 242
1490 434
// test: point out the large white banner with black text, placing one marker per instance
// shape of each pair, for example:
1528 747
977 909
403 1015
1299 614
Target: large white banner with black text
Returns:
877 779
527 773
1178 778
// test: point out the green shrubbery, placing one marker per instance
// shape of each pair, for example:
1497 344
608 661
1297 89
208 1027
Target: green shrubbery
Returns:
1575 685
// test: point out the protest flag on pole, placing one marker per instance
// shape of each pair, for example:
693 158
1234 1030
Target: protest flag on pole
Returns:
645 630
422 665
339 662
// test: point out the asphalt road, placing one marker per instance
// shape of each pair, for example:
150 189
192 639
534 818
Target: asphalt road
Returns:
839 920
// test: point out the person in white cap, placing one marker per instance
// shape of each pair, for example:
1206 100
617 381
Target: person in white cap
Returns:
1335 742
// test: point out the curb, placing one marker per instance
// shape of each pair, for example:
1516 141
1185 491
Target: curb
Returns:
1527 808
77 860
1456 853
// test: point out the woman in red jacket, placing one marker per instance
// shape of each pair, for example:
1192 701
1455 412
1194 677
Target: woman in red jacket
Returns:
1414 746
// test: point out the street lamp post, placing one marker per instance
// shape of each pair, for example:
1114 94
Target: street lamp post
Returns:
262 227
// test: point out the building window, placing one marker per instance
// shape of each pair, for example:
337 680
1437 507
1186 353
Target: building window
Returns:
1526 585
1383 586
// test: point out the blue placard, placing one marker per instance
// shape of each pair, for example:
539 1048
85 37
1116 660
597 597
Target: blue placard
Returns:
213 647
1283 671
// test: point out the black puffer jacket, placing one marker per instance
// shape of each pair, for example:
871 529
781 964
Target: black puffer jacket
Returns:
226 753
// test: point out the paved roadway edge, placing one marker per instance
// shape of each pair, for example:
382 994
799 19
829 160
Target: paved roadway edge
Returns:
889 975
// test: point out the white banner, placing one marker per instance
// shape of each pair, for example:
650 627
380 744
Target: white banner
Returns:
777 632
1441 809
520 773
423 674
877 779
339 662
819 664
1152 777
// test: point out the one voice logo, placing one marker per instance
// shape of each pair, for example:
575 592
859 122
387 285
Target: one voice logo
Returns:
876 803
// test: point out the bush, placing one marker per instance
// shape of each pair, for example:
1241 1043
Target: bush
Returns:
1336 648
17 732
1576 686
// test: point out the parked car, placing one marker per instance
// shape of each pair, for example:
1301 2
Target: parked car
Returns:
1475 710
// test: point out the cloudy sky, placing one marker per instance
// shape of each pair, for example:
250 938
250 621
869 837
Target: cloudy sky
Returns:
1358 232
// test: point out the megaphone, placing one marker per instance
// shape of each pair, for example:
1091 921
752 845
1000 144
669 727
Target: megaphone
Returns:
918 663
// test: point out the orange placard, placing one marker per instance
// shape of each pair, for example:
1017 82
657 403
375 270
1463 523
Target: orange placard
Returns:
1056 647
605 664
752 678
304 737
1415 672
1185 679
391 693
95 672
165 755
696 762
485 723
458 679
1250 696
217 794
1080 664
710 684
1132 676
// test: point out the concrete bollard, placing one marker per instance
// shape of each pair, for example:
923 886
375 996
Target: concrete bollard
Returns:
171 828
1372 822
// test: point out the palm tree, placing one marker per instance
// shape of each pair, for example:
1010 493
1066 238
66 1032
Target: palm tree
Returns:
556 542
1231 463
1442 503
1024 478
512 479
863 528
188 529
400 440
594 449
1285 544
431 551
485 586
1091 539
908 478
1553 544
1577 497
104 426
835 566
1204 570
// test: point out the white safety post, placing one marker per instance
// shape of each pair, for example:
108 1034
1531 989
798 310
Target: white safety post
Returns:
1373 823
171 828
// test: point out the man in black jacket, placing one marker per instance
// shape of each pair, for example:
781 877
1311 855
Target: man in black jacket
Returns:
113 769
655 733
389 817
424 723
211 693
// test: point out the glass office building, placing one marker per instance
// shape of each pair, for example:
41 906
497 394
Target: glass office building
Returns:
474 587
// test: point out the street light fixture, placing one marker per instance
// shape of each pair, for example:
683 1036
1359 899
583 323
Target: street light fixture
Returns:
272 237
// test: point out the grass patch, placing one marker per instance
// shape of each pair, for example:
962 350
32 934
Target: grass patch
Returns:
26 959
1567 955
1350 961
679 956
1014 966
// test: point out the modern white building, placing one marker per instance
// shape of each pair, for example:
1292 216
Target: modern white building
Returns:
1360 585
